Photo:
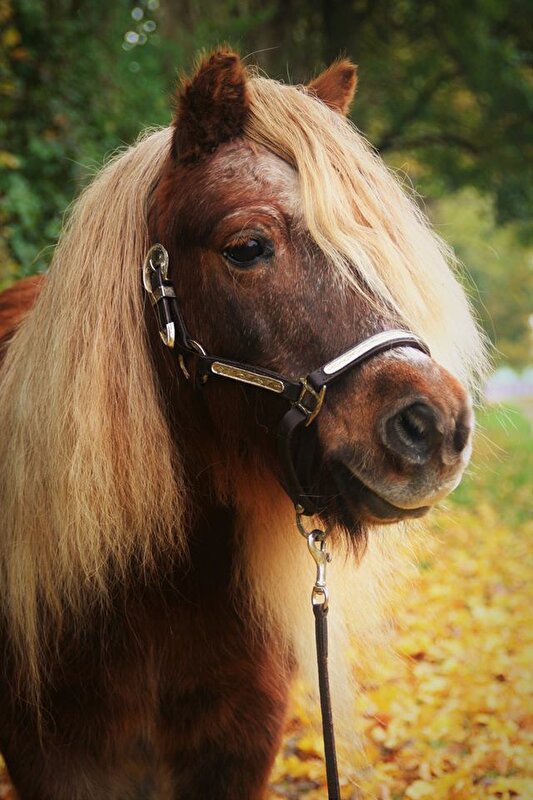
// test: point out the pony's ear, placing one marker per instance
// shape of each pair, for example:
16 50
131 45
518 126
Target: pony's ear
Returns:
336 85
211 106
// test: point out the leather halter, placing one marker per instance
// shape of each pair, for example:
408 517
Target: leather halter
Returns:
305 396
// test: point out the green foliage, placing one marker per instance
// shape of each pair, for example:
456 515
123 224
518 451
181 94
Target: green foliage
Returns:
446 88
67 96
455 86
501 471
500 267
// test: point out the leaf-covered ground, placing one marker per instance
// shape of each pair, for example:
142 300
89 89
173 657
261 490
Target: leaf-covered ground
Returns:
452 716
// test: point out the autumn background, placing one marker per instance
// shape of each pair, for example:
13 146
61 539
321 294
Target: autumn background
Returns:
446 96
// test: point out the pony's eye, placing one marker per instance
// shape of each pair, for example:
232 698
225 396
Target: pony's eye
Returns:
248 252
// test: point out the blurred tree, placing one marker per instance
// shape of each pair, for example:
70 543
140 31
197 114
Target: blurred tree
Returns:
450 85
500 268
74 84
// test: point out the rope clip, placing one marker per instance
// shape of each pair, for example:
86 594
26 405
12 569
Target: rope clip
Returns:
316 544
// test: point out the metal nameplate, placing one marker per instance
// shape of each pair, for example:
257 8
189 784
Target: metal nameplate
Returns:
246 376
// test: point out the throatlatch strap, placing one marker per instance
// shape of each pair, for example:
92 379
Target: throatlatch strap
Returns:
320 611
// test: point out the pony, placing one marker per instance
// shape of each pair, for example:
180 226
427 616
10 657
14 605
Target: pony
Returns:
154 589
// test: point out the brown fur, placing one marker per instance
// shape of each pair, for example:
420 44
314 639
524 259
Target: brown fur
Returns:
168 688
15 302
212 106
336 86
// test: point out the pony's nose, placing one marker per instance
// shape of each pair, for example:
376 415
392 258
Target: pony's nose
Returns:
417 431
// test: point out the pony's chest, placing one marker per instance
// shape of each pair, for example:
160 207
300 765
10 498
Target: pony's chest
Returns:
159 700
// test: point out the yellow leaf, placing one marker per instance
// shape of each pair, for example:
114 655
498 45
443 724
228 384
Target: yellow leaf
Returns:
419 789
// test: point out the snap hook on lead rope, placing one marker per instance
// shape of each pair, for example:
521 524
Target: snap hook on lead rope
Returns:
316 543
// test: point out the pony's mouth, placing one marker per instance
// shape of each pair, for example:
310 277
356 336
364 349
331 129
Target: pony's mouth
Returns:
360 503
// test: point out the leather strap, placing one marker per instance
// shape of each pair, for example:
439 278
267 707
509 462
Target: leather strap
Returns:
320 611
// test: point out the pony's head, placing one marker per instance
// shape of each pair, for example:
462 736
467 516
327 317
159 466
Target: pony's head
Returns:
289 242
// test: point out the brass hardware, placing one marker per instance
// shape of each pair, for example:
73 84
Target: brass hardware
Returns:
299 522
319 397
196 346
246 376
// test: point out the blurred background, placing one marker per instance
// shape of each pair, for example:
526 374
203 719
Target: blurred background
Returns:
446 96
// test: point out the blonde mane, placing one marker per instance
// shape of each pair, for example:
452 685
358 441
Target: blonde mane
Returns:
90 479
83 436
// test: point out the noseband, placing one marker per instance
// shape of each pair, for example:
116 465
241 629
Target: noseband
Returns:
305 396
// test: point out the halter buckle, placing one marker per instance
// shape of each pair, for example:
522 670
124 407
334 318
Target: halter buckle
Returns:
318 399
155 267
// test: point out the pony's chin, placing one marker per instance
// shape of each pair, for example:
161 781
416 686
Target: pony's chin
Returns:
358 504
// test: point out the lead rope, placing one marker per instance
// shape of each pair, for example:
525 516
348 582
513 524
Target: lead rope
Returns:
316 542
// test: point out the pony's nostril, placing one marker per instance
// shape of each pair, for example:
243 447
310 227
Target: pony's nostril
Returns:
413 432
415 423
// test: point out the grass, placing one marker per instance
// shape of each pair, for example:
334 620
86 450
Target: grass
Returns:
501 472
